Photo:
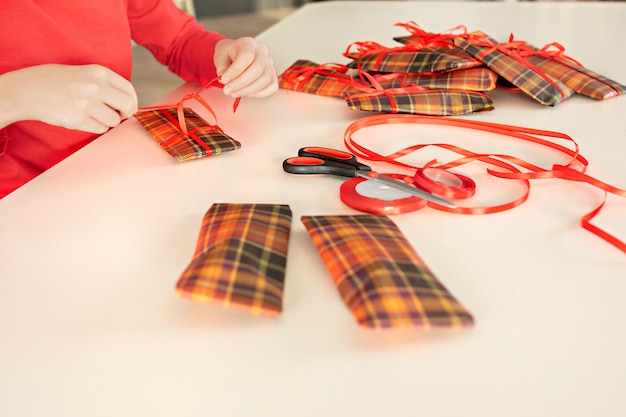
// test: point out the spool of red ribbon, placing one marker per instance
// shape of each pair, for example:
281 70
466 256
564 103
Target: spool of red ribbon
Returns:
374 197
445 183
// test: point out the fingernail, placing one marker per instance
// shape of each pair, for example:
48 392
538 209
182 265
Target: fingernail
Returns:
228 90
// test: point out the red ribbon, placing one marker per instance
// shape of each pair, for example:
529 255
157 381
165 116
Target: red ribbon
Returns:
573 170
423 39
180 109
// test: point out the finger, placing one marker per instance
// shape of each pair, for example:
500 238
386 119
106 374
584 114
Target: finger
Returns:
242 53
242 84
125 101
106 115
90 125
122 102
253 82
264 92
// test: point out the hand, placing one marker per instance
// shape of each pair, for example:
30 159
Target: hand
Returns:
91 98
245 67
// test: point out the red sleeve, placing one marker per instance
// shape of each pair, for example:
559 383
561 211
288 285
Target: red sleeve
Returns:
175 38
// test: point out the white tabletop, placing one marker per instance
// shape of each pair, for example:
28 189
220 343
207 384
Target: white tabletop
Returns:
91 250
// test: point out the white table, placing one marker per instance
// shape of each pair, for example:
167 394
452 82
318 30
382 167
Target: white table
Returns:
91 250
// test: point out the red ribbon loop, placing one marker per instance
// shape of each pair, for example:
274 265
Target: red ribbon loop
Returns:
424 39
180 106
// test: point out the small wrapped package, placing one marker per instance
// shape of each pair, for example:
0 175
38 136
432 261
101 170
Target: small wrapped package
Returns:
471 79
425 60
421 101
380 277
338 81
192 140
240 258
571 73
535 83
322 79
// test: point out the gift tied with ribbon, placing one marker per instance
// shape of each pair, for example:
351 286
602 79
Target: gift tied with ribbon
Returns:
444 94
546 74
182 133
438 178
412 78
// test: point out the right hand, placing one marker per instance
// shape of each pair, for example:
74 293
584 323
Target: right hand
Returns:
91 98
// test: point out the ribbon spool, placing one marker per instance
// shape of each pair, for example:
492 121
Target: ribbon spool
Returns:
371 196
445 183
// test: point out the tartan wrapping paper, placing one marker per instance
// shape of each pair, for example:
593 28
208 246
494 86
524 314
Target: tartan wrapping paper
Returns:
240 258
580 79
546 90
315 82
202 139
435 59
296 78
471 79
380 277
425 102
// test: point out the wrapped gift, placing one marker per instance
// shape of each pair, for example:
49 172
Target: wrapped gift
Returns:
240 258
338 81
322 79
200 140
411 58
182 133
552 61
471 79
515 69
381 278
421 101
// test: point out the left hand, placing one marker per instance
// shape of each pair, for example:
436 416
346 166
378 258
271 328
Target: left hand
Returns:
245 67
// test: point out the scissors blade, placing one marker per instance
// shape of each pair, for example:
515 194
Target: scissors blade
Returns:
411 189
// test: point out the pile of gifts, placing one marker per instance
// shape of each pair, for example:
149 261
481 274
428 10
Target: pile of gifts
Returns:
446 74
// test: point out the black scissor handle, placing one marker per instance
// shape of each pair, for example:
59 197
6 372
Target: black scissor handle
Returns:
333 155
307 165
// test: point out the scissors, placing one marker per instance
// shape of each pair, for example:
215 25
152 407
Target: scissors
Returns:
319 160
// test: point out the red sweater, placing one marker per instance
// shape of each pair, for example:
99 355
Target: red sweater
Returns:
78 32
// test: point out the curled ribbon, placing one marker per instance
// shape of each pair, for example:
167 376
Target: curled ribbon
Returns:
180 109
573 170
421 38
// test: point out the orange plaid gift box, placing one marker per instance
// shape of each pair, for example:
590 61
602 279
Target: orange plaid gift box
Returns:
199 140
382 280
240 258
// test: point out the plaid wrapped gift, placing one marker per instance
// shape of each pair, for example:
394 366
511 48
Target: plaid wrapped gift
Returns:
335 80
380 277
322 79
240 258
424 60
575 76
201 139
532 81
471 79
421 101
